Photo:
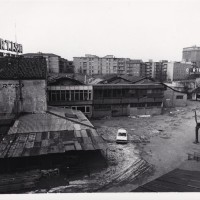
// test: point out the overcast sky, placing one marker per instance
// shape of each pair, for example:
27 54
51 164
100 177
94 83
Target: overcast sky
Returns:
137 29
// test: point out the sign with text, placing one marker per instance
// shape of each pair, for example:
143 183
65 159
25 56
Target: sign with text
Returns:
10 46
193 70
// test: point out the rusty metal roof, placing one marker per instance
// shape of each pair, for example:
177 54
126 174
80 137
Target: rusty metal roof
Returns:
38 134
34 144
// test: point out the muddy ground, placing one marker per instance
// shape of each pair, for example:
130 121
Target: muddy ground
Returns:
157 145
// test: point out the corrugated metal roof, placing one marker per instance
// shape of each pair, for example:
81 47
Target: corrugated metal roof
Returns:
39 134
33 144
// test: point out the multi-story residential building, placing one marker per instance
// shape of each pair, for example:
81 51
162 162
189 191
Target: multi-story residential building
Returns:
160 70
146 69
121 66
92 64
178 70
191 54
133 67
55 64
108 64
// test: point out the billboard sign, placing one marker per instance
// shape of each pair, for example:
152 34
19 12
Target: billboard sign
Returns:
6 45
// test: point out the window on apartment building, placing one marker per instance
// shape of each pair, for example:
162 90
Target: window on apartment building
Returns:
179 97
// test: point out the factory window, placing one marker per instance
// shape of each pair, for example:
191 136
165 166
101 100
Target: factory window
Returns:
85 95
89 95
141 104
115 93
72 96
81 95
52 95
58 95
77 95
62 95
87 109
84 109
179 97
67 95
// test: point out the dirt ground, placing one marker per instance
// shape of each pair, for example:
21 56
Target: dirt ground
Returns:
157 145
162 140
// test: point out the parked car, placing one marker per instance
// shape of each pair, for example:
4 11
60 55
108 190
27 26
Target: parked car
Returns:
122 136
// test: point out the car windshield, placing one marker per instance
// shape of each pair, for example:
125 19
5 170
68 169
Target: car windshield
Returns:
121 134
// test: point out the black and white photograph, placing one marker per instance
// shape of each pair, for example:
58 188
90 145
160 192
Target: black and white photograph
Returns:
99 97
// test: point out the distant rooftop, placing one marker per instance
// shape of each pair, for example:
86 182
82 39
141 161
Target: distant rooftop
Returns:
191 48
39 54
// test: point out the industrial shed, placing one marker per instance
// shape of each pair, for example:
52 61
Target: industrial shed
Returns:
58 138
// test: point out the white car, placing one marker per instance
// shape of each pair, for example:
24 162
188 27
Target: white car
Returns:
122 136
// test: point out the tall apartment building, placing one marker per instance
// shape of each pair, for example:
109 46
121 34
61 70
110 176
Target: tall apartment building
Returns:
108 65
191 54
160 70
146 69
55 64
178 70
133 67
92 64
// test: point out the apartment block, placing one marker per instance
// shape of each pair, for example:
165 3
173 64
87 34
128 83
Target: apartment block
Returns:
159 70
178 70
133 67
92 64
146 69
